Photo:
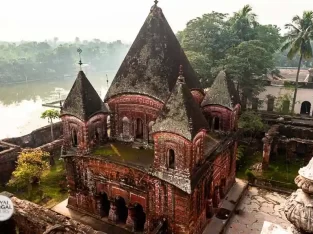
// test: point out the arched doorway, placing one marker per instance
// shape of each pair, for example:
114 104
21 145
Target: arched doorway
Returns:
140 218
305 108
104 205
139 129
74 138
121 209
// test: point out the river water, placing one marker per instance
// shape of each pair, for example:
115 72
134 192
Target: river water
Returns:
21 104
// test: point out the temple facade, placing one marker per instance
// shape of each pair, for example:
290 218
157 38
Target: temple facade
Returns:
158 155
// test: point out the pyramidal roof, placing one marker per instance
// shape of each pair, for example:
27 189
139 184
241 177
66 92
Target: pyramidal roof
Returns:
181 114
83 101
222 92
151 65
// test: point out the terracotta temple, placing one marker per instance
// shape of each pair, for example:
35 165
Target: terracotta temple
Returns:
158 154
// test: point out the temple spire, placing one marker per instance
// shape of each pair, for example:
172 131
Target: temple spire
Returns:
156 2
79 50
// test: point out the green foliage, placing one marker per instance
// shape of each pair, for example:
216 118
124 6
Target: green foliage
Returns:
250 176
240 153
283 98
298 41
238 44
50 115
251 122
247 64
25 61
30 167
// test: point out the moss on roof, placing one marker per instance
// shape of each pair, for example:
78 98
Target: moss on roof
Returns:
83 101
152 63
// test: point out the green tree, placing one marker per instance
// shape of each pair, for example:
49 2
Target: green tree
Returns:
298 41
251 123
247 64
243 23
50 115
30 168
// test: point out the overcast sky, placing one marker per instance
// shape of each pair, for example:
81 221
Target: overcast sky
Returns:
121 19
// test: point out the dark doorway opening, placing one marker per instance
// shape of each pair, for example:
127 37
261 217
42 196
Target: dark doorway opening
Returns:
216 123
139 129
74 138
121 208
104 205
171 159
140 218
305 108
97 135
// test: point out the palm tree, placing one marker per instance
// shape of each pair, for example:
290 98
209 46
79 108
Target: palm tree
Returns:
50 115
298 41
243 21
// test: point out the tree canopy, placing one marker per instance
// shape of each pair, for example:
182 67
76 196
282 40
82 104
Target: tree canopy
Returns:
298 41
25 61
237 43
30 167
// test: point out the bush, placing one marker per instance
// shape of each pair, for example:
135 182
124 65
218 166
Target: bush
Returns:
250 176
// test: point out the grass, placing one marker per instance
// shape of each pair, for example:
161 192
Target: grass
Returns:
279 169
48 193
125 153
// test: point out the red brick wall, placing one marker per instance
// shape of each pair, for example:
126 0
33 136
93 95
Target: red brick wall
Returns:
224 114
163 142
133 107
198 96
85 130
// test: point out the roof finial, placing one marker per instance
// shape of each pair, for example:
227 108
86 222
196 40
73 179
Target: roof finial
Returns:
107 80
181 77
156 2
79 50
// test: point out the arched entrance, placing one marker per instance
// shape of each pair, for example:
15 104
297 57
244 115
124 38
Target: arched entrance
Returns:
121 209
139 218
139 129
104 205
74 137
305 108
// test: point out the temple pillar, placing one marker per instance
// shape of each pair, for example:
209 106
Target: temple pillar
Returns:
130 222
266 152
209 208
113 214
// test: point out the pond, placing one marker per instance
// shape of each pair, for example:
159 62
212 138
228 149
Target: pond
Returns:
21 104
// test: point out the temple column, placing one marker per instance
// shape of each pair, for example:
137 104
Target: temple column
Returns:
130 222
266 152
209 208
113 214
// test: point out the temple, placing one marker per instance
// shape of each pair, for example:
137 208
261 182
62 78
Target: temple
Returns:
158 154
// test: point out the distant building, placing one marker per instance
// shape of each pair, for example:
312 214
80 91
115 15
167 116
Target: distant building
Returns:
169 156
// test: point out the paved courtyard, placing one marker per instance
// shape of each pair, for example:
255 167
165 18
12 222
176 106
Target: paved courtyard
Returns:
257 206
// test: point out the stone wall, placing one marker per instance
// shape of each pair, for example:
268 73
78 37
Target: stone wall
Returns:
37 137
8 158
30 218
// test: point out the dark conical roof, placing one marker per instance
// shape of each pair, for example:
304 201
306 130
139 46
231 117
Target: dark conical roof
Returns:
83 101
151 65
181 114
222 92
